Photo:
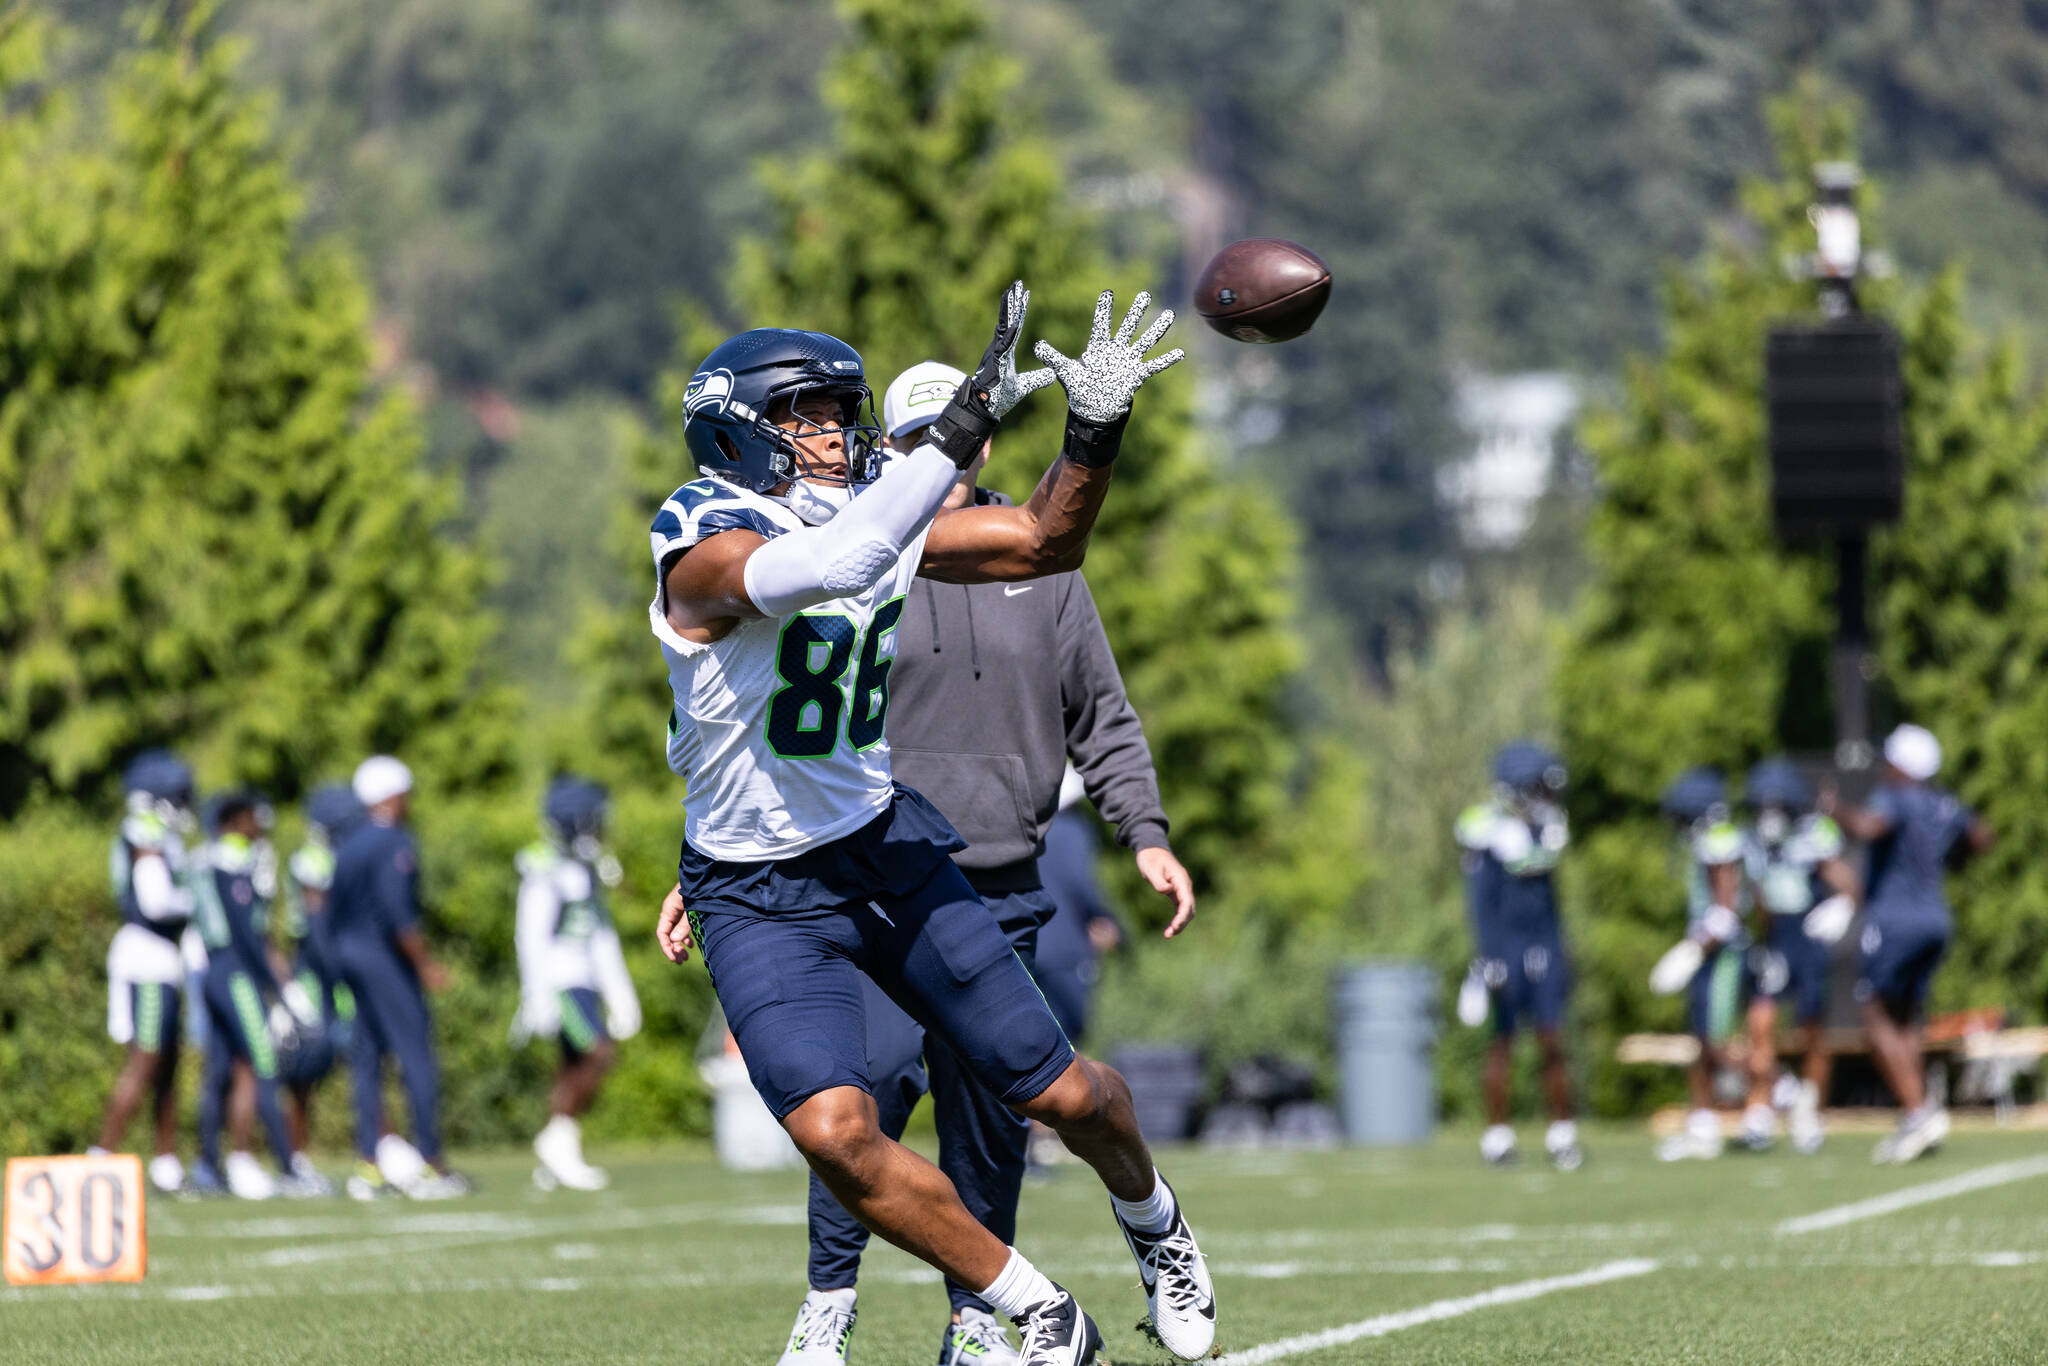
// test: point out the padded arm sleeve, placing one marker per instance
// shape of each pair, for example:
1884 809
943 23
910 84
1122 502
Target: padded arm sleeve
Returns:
850 553
157 894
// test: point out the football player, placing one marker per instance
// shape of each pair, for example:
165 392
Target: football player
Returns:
1805 897
145 970
1512 844
385 961
1915 831
1707 963
572 974
248 1009
780 579
331 812
994 685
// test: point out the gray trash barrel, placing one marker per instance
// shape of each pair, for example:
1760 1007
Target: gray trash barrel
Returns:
1166 1088
1386 1044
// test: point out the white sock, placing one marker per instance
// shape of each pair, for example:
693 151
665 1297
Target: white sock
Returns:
1153 1214
833 1299
1497 1142
561 1123
1022 1286
1704 1124
1562 1133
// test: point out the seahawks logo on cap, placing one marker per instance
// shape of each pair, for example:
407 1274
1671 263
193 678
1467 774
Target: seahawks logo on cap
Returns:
709 391
930 391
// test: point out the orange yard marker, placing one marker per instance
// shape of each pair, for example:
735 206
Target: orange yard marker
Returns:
69 1220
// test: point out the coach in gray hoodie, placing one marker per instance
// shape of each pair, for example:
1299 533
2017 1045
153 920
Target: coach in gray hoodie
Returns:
994 687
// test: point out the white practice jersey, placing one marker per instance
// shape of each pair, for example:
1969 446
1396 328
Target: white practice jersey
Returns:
778 727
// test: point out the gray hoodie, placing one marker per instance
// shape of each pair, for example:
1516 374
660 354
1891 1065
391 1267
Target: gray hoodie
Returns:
995 685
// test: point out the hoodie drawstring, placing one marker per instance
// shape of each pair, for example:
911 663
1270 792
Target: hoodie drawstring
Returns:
973 644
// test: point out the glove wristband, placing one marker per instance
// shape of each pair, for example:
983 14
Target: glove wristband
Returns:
964 427
1092 445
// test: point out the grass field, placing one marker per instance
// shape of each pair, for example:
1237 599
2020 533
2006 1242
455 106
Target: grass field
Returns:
679 1262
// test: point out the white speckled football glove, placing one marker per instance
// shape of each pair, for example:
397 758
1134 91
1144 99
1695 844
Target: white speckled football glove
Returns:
1011 388
1100 384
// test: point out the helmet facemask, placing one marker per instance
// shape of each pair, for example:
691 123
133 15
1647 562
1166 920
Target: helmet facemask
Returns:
817 498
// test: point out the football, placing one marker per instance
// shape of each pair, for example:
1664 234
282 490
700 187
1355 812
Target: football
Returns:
1263 289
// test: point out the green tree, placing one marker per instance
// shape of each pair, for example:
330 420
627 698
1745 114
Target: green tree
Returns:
900 237
1702 639
215 531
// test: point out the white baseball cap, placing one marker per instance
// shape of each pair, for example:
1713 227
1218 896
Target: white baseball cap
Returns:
1913 751
379 778
916 397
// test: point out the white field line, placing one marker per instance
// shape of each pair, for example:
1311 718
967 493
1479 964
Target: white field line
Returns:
519 1230
1434 1313
1983 1178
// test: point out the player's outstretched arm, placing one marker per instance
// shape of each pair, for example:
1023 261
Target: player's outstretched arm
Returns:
1049 533
736 574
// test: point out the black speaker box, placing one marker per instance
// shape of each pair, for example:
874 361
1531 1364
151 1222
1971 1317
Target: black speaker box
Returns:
1834 392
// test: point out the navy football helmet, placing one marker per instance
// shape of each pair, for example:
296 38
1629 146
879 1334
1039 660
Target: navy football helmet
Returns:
575 808
1696 794
1775 782
160 774
333 810
730 404
1525 767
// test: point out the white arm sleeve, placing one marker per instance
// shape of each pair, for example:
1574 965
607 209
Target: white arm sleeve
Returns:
156 894
538 906
850 553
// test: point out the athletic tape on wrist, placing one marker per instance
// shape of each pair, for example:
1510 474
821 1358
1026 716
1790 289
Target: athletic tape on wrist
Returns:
1093 444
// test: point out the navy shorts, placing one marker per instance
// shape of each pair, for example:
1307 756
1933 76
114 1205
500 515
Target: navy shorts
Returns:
582 1021
157 1009
1900 954
789 941
1789 966
1713 999
1530 984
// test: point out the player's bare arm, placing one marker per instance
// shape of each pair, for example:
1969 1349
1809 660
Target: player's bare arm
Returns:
1048 534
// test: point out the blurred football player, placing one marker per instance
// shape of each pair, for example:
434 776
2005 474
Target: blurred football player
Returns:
994 685
331 812
145 970
781 576
1805 895
572 973
1915 831
1512 844
1707 963
385 962
249 1009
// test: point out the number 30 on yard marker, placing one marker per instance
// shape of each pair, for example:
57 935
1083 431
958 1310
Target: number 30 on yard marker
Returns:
73 1219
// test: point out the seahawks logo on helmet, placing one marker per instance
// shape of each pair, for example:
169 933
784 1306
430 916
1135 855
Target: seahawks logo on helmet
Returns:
710 390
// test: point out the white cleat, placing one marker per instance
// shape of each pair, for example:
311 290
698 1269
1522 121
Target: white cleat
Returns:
1808 1130
1497 1145
246 1179
1759 1129
824 1330
399 1162
977 1340
1561 1142
1919 1133
433 1185
1057 1333
166 1172
559 1147
1178 1292
1699 1141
